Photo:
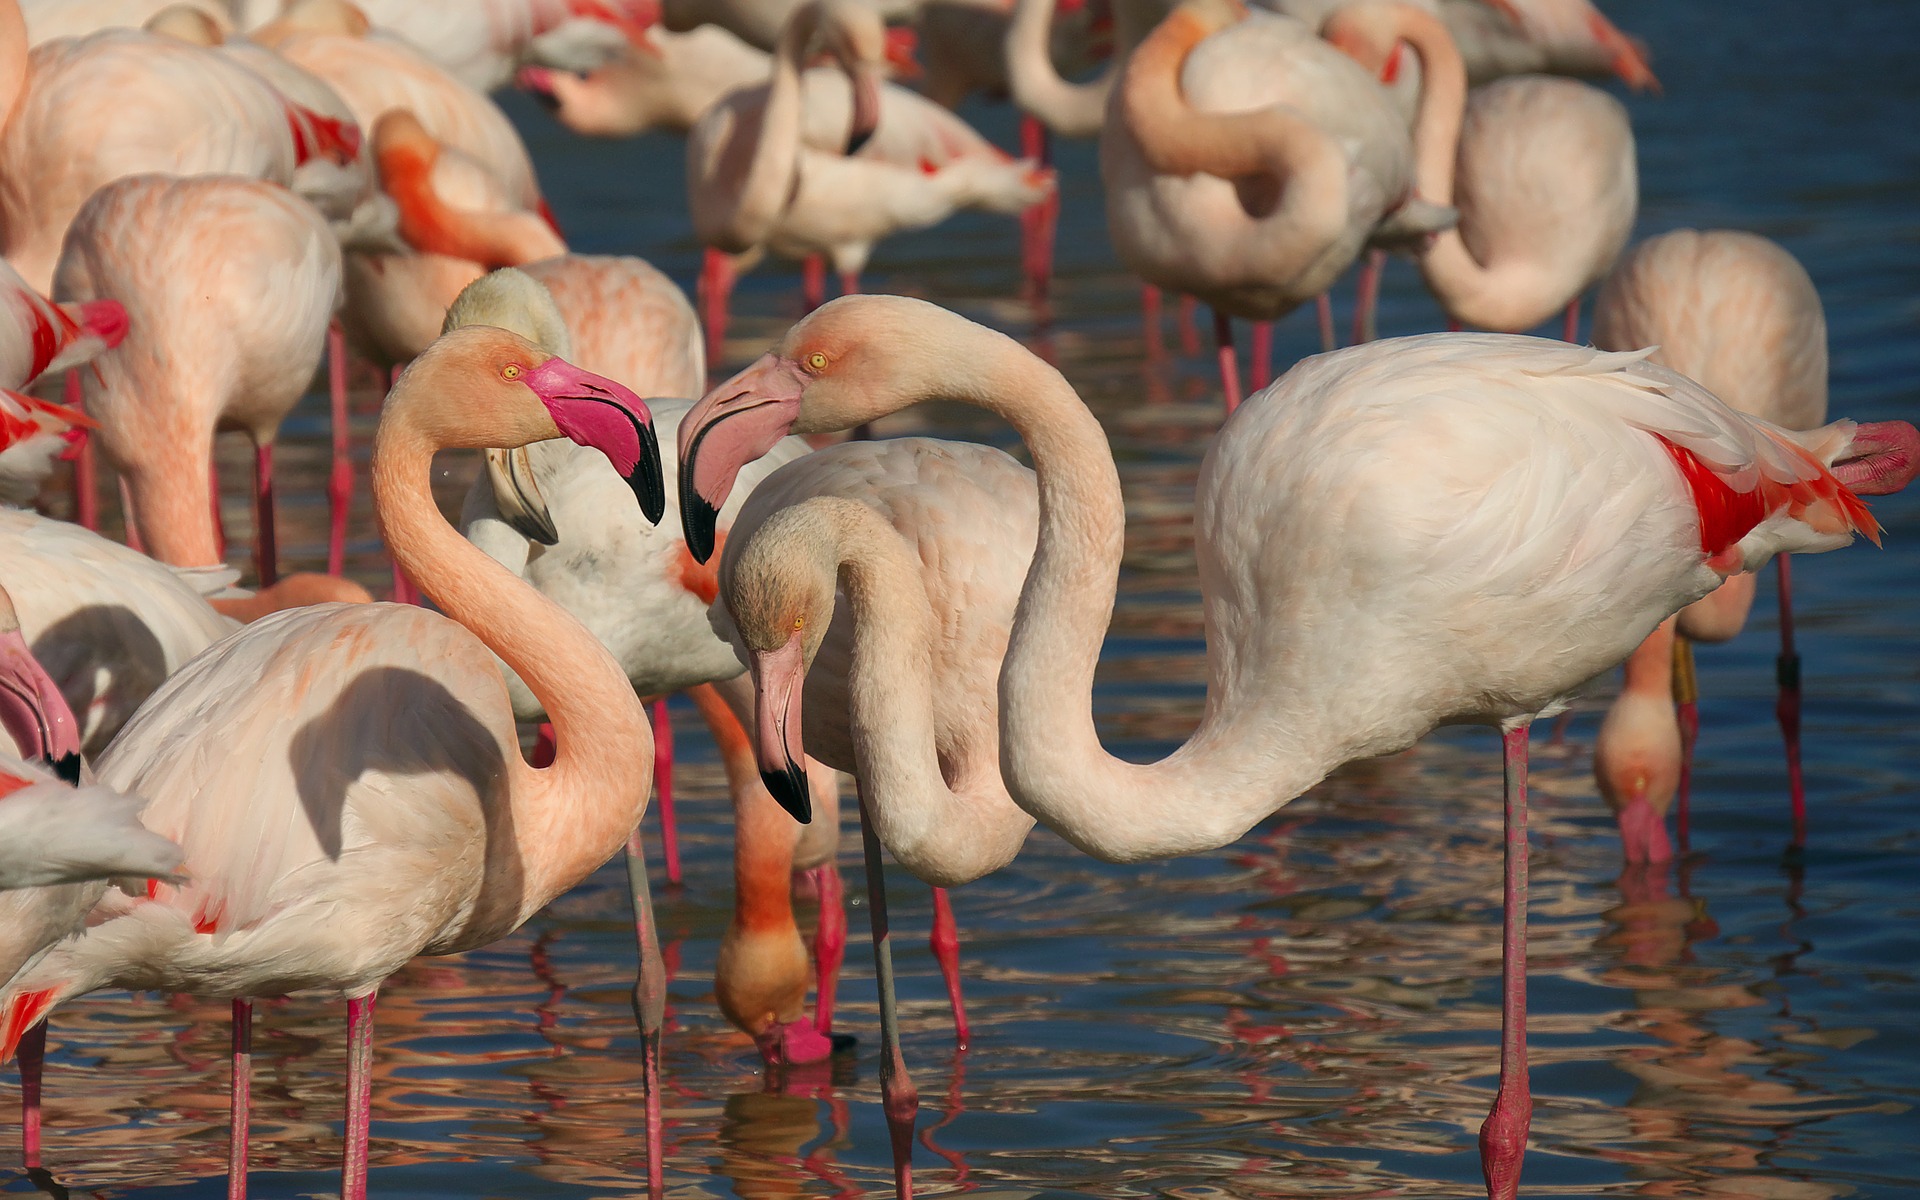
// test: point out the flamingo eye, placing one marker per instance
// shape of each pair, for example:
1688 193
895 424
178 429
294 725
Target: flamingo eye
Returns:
799 623
511 371
816 361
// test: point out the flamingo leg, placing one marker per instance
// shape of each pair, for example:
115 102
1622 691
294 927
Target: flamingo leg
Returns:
1787 707
1038 221
340 481
1323 309
1686 697
129 526
1503 1138
86 495
1189 325
1571 333
1368 297
241 1103
1150 321
649 1006
1262 354
716 290
266 540
946 951
1229 362
897 1093
849 283
213 502
813 282
353 1162
32 1053
829 942
663 788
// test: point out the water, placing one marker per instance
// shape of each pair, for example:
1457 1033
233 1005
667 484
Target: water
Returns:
1310 1012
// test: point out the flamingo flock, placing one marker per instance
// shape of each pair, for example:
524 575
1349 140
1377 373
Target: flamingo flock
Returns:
237 783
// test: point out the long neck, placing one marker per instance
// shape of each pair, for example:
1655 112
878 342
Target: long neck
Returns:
1649 669
764 835
736 207
431 225
1274 143
1239 765
945 837
1068 109
570 817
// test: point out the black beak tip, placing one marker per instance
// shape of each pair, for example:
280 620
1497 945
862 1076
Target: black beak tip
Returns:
648 479
858 139
535 530
789 787
67 767
843 1043
698 520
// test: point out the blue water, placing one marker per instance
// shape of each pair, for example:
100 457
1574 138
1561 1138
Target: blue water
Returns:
1313 1011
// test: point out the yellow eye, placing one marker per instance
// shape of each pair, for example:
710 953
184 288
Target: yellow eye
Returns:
799 623
511 371
816 361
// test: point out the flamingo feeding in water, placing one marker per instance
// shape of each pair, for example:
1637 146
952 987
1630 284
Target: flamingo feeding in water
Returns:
1453 528
355 768
1738 313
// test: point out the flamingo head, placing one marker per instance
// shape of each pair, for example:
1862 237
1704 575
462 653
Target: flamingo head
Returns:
1636 762
32 710
760 984
512 393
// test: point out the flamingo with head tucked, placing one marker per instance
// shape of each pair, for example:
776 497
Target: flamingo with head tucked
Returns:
1445 529
346 780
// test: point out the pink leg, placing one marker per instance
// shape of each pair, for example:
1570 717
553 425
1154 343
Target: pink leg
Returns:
850 283
1368 298
1503 1138
813 282
1787 708
663 788
403 590
1323 308
32 1053
898 1097
716 288
266 540
213 500
86 495
1571 333
340 482
946 951
1150 321
1189 325
1686 697
1037 223
1262 354
829 943
353 1162
131 526
649 1007
1229 364
240 1109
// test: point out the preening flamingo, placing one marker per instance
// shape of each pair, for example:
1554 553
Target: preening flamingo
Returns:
1738 313
664 81
555 519
1445 529
766 168
1246 162
229 283
346 780
53 833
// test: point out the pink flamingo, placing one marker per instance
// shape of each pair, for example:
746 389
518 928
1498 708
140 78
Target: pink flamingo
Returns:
1372 560
346 780
49 19
1541 171
234 274
1247 162
664 81
1739 314
813 164
482 44
1559 37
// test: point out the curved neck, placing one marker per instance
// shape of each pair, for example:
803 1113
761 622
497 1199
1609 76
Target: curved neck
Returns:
1244 760
432 226
944 836
568 818
1276 143
1443 103
764 835
748 186
1649 669
1068 109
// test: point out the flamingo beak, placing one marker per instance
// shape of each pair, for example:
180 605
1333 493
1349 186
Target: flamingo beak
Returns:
731 426
794 1044
517 496
33 711
866 107
778 676
1882 458
595 411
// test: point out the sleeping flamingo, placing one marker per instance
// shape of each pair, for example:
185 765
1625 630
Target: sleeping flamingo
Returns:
766 167
240 278
1738 313
346 780
1246 162
1456 528
1541 171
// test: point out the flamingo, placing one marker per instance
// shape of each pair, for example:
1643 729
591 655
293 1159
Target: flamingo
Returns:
759 172
554 520
54 834
239 277
664 81
346 780
43 337
1455 528
1246 162
482 44
1543 178
50 19
1738 313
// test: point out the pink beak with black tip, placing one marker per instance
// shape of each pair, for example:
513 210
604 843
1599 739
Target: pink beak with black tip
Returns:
778 678
33 711
595 411
731 426
866 107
